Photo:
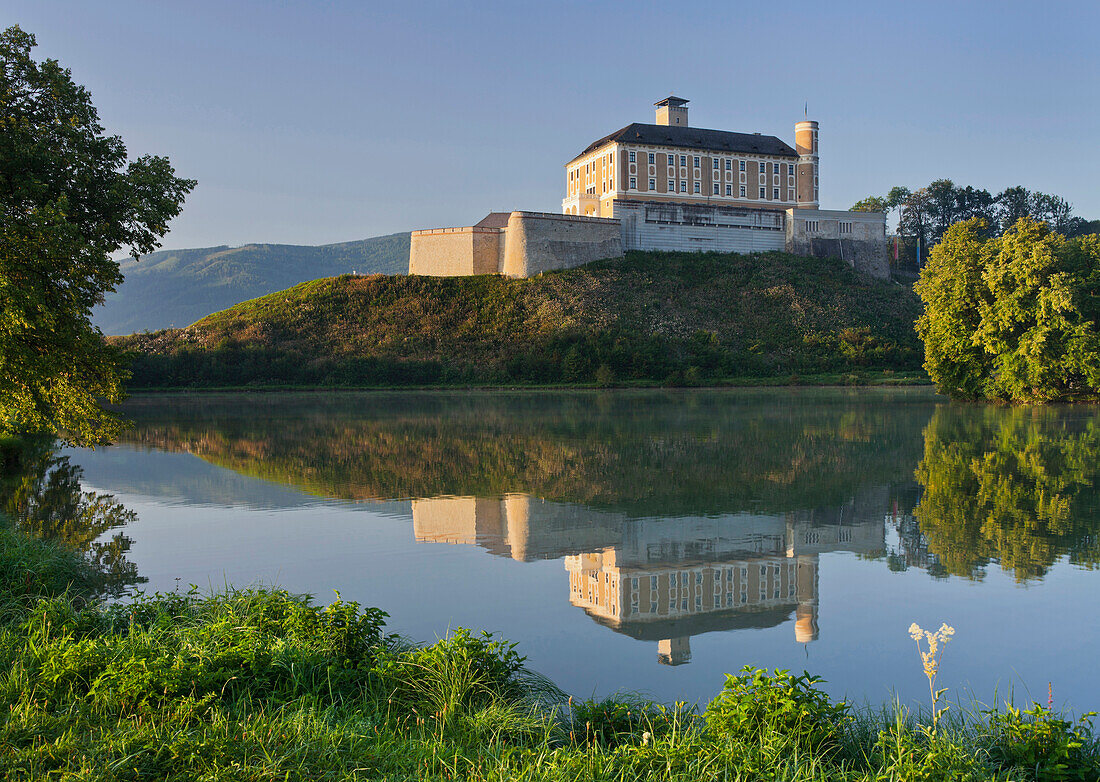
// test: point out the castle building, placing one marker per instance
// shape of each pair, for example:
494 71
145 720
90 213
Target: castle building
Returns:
672 187
672 162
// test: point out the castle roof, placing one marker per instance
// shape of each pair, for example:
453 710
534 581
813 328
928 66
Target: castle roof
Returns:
494 220
695 138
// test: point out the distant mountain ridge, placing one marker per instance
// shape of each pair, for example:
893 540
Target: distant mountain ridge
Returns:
175 288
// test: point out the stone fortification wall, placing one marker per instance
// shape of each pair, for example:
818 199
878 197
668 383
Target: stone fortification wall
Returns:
541 241
856 237
653 225
456 252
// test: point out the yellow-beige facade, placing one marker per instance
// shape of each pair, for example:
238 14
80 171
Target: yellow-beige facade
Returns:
672 162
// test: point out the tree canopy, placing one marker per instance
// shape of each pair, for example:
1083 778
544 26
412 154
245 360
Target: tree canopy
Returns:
69 200
926 213
1014 317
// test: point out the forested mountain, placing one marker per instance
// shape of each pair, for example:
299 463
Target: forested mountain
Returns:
174 288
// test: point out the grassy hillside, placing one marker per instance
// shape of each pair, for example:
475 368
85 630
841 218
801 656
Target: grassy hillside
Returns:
680 319
177 287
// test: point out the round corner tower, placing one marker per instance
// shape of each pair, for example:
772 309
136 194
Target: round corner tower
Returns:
805 143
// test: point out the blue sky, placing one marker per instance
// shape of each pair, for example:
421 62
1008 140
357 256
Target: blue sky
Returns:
313 122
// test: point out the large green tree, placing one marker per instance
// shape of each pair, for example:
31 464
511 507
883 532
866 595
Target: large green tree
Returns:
1012 318
70 199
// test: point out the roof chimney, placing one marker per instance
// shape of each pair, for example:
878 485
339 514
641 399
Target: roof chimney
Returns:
672 111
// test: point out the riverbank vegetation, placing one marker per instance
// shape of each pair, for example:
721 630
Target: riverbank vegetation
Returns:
650 318
261 684
1012 318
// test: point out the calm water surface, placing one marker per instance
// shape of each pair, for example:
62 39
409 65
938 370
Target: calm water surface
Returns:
632 541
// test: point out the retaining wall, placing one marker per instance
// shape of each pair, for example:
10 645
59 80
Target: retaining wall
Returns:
541 241
816 232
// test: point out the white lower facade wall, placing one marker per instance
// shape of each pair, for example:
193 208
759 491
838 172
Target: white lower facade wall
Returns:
688 228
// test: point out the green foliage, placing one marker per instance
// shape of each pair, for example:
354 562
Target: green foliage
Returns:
1051 748
672 318
70 200
871 204
624 720
920 753
755 703
32 568
1012 318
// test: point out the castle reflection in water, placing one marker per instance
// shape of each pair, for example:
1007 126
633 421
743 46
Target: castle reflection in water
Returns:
667 579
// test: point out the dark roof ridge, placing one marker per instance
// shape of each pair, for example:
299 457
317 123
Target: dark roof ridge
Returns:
694 138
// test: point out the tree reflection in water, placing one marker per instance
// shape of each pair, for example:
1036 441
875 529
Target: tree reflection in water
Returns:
42 494
1014 486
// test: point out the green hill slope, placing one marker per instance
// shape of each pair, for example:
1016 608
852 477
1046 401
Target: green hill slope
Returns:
663 317
177 287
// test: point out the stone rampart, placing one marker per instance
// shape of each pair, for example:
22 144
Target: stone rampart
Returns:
541 241
456 252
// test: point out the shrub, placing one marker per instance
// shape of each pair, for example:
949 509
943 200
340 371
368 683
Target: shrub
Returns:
1052 748
461 673
619 720
755 703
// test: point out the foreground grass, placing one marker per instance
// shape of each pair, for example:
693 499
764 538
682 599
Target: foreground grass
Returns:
264 685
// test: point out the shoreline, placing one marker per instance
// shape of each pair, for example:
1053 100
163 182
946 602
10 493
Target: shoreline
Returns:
878 380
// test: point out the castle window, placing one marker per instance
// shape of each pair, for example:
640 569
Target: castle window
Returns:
845 228
729 190
631 156
729 164
633 183
763 167
683 160
683 186
716 188
762 193
741 164
811 225
717 162
671 186
652 158
775 193
697 187
742 191
653 184
695 162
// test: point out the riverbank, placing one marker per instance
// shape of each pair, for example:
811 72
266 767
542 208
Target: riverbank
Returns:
266 685
885 378
650 319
